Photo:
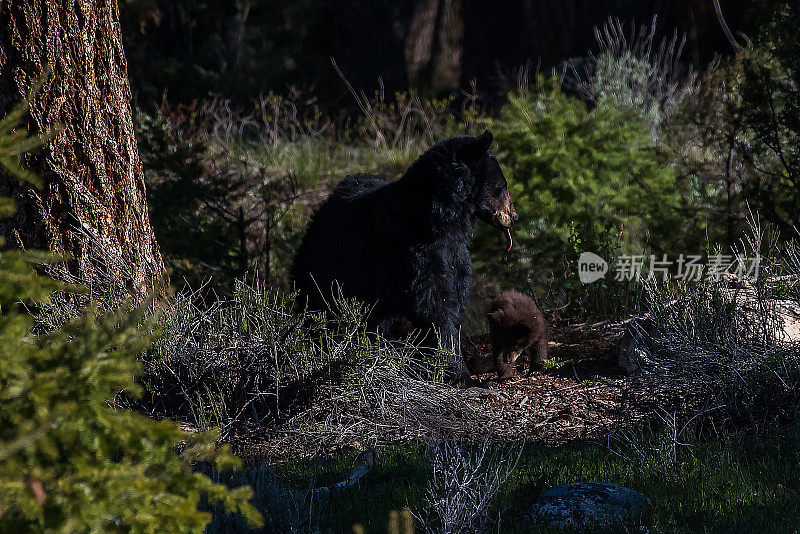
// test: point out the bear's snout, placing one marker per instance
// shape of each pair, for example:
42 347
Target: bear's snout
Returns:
506 216
510 356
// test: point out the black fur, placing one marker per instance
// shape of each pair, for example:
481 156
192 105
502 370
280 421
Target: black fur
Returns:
402 246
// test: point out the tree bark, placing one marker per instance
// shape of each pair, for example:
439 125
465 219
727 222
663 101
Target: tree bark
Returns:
92 205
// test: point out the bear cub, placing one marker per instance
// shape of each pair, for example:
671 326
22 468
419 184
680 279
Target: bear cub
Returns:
516 325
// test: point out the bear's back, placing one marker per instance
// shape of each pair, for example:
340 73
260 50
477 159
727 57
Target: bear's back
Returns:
515 309
356 186
351 242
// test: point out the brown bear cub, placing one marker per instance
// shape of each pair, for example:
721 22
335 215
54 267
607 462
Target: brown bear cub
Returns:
516 325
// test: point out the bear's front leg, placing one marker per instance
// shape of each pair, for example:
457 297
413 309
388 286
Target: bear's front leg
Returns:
438 299
505 370
538 355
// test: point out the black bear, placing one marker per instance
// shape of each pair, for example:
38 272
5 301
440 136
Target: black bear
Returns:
402 246
516 325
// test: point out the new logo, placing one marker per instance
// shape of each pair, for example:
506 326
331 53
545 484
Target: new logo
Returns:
591 267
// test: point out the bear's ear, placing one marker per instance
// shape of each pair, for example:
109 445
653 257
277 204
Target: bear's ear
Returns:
485 139
475 148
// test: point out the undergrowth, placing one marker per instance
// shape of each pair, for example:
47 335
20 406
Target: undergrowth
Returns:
734 482
254 363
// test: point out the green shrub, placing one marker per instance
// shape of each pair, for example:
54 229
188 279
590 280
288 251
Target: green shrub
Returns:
637 74
192 209
736 137
770 96
70 461
580 179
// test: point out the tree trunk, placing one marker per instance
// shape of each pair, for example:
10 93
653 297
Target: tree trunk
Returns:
433 46
92 205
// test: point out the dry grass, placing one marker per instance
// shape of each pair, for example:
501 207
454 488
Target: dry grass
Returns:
731 344
284 381
462 487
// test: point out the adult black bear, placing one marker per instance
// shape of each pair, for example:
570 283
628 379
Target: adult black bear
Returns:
402 246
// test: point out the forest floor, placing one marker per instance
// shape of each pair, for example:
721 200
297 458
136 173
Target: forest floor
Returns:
581 418
581 394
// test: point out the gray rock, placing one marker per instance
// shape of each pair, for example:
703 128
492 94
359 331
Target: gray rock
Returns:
589 506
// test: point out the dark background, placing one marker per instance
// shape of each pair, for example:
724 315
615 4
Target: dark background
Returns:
240 48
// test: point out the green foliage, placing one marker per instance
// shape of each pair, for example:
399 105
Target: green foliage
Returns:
14 143
736 137
70 461
580 179
705 135
770 96
622 81
191 209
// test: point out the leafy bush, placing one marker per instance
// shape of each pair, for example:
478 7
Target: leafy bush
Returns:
637 74
736 136
69 461
770 95
706 136
580 179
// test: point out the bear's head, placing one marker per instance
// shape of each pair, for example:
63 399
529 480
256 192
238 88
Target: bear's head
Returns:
510 339
493 202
